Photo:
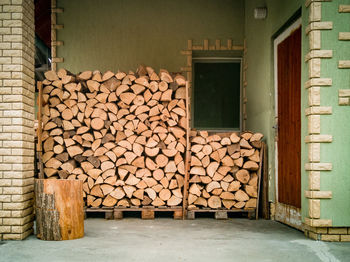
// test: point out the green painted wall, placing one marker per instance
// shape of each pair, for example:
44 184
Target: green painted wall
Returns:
260 94
121 34
337 124
260 73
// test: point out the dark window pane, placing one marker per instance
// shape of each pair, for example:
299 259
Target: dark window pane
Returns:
217 95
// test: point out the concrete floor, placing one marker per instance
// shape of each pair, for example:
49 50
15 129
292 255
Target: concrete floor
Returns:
164 239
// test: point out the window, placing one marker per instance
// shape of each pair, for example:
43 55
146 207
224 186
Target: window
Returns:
216 103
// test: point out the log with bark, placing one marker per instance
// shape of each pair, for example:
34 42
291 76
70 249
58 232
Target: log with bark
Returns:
122 134
59 209
223 170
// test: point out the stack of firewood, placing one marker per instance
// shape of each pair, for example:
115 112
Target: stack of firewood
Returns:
224 169
123 134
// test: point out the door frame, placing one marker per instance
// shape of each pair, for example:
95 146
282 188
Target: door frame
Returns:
286 214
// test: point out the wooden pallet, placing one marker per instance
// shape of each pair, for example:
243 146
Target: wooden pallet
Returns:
108 211
221 213
146 212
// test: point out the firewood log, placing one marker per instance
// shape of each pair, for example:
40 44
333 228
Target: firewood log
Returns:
122 134
214 202
227 172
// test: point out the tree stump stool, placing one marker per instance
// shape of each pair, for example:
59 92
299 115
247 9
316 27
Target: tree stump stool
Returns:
59 209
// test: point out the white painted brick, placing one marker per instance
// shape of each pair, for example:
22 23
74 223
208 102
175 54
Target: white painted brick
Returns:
23 137
5 198
19 2
16 15
314 152
4 151
5 90
22 129
5 60
4 31
344 101
314 208
17 159
21 152
16 45
12 23
18 205
13 190
314 180
318 166
314 67
22 228
315 12
314 124
17 31
12 8
13 144
13 82
17 93
13 113
5 182
5 75
12 52
5 121
5 229
315 40
22 213
17 221
19 174
5 166
23 122
24 197
16 236
12 38
5 213
20 167
12 98
16 75
23 182
12 67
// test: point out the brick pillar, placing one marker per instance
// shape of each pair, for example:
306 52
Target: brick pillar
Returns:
16 118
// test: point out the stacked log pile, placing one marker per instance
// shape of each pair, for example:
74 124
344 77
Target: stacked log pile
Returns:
223 170
122 134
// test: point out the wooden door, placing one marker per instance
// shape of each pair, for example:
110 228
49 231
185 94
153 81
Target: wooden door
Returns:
289 141
288 136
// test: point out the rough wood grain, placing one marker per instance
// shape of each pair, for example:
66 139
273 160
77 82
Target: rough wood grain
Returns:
56 220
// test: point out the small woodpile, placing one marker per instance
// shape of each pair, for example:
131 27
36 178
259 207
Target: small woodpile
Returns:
223 170
122 134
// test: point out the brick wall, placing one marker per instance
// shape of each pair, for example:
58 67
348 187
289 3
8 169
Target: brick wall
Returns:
333 234
16 118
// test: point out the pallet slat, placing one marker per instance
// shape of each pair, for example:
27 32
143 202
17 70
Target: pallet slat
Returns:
146 213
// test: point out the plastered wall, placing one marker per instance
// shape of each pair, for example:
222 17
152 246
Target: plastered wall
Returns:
121 34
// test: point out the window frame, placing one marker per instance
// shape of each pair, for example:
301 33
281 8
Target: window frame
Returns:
218 60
